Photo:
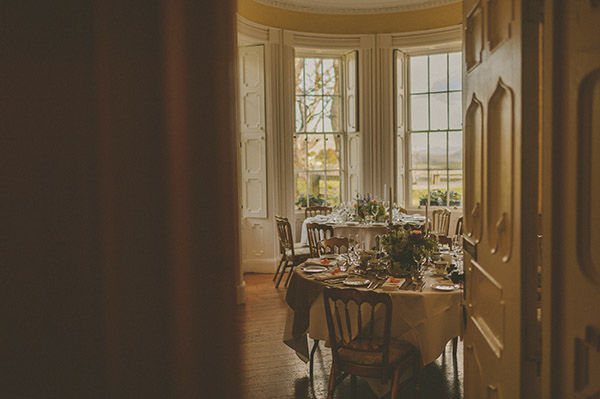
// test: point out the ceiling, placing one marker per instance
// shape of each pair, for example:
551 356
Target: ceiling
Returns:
354 6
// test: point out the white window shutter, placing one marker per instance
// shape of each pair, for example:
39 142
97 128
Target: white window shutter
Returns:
351 116
400 126
253 132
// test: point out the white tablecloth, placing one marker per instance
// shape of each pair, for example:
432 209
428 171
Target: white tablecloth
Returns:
366 233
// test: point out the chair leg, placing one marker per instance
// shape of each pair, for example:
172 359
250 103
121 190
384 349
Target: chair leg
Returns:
394 392
281 274
353 385
312 357
454 347
331 382
279 267
287 281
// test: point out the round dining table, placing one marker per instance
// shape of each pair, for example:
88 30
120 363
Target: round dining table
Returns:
363 233
427 318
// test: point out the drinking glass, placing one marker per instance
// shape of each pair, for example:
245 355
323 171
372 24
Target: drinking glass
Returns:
375 212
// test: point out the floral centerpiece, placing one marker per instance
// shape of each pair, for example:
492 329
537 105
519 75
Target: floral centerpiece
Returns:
312 200
438 198
406 249
368 206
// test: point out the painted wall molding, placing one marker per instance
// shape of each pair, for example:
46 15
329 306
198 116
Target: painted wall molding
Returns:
349 8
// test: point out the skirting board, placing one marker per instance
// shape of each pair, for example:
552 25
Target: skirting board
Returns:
259 265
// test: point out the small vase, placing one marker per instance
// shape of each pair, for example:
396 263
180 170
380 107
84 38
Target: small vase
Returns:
401 269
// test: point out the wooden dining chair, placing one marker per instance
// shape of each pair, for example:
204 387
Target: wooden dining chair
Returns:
333 245
440 223
458 231
315 210
356 350
291 254
317 232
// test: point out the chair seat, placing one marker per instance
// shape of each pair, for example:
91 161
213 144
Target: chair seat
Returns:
302 251
360 355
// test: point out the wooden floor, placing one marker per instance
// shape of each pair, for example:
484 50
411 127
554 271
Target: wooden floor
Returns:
271 370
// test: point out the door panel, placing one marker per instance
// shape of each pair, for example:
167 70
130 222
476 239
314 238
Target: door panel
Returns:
500 150
572 225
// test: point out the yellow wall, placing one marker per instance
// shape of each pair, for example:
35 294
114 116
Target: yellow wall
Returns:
409 21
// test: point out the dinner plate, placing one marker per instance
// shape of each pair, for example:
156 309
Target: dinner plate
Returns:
352 223
357 282
444 287
314 269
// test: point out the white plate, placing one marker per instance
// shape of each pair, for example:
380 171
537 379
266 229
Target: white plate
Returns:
352 223
444 287
357 282
314 269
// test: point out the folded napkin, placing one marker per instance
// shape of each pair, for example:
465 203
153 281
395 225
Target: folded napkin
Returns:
329 276
320 262
392 284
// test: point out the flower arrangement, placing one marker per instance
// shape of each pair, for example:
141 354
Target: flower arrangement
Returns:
312 200
366 206
406 249
438 197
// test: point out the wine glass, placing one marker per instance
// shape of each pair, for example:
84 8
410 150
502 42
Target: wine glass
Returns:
375 211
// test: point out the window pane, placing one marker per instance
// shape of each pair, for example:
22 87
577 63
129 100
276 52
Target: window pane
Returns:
455 71
300 189
314 114
332 114
455 150
330 77
300 152
419 112
438 72
456 110
333 147
418 181
300 112
316 152
456 189
437 150
333 188
418 150
312 75
316 188
418 74
300 76
439 111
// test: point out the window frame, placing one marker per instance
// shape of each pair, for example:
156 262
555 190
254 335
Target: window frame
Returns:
342 133
408 132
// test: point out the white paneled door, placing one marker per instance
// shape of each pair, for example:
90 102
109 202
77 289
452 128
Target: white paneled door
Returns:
500 157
